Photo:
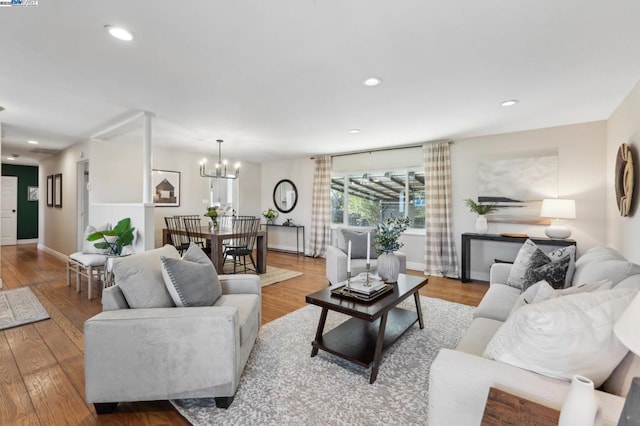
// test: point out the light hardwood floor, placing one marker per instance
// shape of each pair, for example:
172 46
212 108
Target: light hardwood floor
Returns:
41 364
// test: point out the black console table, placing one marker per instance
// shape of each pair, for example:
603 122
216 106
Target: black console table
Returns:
298 228
466 247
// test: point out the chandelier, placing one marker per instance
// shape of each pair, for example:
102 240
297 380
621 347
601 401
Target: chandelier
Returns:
221 167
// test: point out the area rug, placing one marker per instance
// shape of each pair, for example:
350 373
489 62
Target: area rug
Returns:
20 306
272 276
283 385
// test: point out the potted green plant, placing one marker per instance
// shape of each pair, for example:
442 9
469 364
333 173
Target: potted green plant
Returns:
386 243
481 210
113 241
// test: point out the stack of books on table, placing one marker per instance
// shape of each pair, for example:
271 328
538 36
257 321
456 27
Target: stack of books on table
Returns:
357 284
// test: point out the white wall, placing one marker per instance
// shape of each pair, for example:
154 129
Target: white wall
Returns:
624 127
581 176
58 225
300 172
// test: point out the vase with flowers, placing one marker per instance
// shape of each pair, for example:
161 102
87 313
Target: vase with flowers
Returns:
386 244
270 214
212 214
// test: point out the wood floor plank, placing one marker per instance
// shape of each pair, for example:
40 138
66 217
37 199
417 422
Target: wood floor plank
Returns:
30 351
56 400
15 404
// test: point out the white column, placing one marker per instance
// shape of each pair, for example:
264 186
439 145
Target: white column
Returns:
147 191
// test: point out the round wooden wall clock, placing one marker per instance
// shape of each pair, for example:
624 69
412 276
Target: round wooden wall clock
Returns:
624 178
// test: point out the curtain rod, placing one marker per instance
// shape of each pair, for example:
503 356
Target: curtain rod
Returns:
370 151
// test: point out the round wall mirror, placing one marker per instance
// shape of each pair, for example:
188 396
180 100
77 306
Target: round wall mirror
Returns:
285 196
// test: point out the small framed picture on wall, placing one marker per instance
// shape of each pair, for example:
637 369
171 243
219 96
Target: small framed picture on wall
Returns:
57 190
50 191
33 193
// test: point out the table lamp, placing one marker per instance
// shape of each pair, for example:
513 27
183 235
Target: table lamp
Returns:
558 210
628 332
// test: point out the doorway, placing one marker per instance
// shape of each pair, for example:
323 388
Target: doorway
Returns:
83 201
9 200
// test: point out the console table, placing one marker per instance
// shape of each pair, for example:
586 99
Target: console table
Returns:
466 247
298 228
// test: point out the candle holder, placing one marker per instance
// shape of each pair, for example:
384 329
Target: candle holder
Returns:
348 286
366 282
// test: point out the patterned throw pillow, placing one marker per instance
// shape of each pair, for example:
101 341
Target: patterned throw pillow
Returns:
531 257
541 267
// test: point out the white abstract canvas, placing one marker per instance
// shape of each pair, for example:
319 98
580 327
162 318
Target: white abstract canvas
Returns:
518 187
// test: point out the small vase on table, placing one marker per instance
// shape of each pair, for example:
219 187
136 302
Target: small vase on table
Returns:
582 406
481 224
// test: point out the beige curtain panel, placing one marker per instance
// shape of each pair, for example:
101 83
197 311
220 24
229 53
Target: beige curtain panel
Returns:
321 207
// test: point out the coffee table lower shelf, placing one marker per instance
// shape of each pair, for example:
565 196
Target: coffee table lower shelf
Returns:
355 339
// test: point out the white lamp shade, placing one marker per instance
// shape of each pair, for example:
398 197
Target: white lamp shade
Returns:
561 209
627 328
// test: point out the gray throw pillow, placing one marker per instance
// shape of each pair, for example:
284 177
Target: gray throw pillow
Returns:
140 278
358 243
192 280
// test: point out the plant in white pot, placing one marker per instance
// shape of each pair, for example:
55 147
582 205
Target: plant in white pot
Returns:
481 210
386 243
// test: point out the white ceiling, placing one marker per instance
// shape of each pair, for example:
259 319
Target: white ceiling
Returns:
282 78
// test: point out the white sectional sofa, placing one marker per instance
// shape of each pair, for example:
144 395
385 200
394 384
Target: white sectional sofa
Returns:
460 379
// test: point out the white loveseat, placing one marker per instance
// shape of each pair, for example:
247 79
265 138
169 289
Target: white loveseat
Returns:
460 379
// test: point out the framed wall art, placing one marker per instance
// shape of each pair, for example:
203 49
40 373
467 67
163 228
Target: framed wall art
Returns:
50 191
517 187
166 188
57 190
32 193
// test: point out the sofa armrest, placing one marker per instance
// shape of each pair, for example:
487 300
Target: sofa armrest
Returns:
459 385
240 284
161 353
499 273
336 265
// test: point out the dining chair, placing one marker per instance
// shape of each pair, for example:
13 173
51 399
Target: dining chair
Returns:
242 246
177 233
193 226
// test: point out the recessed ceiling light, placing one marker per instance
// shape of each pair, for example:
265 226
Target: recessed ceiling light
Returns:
119 32
354 130
372 81
33 142
510 102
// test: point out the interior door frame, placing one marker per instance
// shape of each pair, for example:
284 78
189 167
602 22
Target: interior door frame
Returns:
82 198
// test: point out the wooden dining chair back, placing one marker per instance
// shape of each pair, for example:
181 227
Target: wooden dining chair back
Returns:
225 222
246 231
177 233
193 226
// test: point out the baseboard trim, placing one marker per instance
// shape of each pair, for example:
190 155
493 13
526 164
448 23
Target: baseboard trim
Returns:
28 241
415 266
53 252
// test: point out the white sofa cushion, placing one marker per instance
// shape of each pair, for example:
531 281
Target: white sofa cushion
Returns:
542 290
478 335
600 263
497 302
565 336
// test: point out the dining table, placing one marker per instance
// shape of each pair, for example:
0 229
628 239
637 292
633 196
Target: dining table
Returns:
216 237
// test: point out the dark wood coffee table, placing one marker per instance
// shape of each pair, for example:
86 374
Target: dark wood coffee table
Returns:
374 326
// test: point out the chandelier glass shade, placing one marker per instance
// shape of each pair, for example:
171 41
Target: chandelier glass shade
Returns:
220 171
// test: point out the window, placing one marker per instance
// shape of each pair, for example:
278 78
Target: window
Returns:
374 196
